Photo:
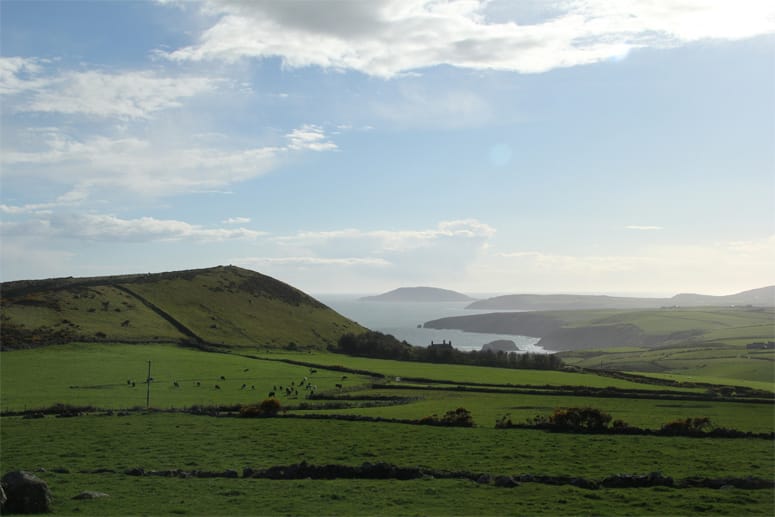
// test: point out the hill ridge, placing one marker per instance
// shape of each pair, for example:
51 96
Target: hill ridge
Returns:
763 296
221 306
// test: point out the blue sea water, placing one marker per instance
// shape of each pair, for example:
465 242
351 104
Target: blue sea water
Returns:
404 320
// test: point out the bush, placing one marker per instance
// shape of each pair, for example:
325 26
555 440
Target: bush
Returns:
460 417
504 422
267 407
687 426
579 420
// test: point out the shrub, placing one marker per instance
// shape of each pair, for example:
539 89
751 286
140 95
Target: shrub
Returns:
504 422
687 426
267 407
459 417
579 420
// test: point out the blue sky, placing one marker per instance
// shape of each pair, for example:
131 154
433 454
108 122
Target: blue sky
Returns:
345 146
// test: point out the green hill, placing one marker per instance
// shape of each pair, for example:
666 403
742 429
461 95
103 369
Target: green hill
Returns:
224 305
418 294
761 297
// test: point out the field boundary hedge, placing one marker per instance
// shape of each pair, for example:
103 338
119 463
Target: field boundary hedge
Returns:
383 470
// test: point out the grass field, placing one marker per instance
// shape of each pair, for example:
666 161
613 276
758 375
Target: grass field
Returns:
97 374
206 443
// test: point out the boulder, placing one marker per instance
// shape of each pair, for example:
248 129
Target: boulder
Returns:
506 482
25 493
500 345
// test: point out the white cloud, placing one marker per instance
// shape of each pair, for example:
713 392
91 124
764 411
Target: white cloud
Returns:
236 220
145 166
16 73
391 37
309 137
102 227
388 241
125 95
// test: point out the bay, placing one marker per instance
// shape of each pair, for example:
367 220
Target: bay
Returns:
404 320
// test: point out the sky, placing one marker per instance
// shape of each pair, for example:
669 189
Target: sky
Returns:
345 146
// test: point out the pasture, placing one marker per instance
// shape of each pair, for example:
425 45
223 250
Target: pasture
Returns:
70 450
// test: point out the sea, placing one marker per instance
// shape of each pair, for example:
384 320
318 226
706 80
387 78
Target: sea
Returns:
404 320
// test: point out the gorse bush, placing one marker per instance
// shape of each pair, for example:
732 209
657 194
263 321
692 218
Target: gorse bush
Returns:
684 426
267 407
580 419
460 417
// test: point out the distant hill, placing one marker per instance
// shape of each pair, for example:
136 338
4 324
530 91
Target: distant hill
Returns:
605 328
224 305
418 294
762 297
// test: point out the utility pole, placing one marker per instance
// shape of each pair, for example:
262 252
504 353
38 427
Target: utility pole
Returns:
148 388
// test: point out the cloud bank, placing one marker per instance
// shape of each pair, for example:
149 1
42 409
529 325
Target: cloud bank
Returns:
385 38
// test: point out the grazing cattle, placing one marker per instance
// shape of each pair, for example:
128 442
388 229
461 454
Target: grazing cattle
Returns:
175 383
133 384
246 369
197 384
271 394
128 381
217 387
312 371
344 377
244 386
252 387
339 386
223 378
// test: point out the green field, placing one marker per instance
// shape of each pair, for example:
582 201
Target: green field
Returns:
97 374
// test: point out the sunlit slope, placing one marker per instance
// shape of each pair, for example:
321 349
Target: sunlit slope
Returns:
223 305
605 328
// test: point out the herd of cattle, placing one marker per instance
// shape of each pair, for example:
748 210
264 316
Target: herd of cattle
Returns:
291 390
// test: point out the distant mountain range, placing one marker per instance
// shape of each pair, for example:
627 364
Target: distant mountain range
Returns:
224 306
418 294
764 296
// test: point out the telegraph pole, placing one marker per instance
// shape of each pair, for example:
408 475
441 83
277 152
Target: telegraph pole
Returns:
148 388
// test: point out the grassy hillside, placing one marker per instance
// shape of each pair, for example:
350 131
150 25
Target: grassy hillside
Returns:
603 328
223 306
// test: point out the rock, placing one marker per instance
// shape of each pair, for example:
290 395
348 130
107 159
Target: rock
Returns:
500 345
25 493
3 499
483 479
89 494
506 482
